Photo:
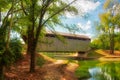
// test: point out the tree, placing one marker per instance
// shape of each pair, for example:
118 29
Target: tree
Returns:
110 21
40 14
109 28
6 55
31 17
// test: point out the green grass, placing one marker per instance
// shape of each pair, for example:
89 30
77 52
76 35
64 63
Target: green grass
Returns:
93 54
82 70
49 54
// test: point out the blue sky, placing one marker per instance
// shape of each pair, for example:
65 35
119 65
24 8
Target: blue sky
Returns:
91 8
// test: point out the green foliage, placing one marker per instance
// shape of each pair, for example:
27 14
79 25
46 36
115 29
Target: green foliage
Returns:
2 47
40 61
100 70
110 68
7 57
16 48
109 22
94 45
30 17
4 4
102 42
107 4
117 41
12 54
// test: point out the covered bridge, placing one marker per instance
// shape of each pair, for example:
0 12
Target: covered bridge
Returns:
69 43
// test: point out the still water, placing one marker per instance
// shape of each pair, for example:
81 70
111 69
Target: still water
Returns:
95 70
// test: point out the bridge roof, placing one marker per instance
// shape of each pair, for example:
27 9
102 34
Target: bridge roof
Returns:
70 36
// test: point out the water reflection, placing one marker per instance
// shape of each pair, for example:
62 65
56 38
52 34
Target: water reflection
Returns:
105 71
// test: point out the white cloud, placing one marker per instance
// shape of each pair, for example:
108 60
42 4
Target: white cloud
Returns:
86 26
69 15
87 6
84 6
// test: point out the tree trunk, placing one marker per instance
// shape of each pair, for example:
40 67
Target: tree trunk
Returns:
24 37
31 50
1 72
32 59
112 43
112 46
0 16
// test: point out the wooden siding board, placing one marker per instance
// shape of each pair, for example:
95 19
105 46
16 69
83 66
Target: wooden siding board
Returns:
71 45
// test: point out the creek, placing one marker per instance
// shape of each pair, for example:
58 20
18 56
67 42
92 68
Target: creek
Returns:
96 70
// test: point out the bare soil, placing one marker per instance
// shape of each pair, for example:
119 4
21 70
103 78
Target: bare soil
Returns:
51 70
107 56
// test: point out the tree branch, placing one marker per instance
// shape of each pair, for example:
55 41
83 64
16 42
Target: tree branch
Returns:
59 11
23 8
0 15
8 13
43 10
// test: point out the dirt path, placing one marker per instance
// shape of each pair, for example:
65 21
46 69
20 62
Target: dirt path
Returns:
107 56
59 70
52 70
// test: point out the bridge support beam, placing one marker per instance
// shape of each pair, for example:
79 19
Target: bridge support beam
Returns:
82 54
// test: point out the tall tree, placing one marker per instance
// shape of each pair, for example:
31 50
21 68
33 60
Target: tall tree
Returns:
110 20
109 27
6 55
41 13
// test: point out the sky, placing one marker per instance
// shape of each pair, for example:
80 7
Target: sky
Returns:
89 11
88 14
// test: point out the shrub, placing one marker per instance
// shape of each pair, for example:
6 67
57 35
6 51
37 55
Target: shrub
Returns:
16 48
40 61
7 57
